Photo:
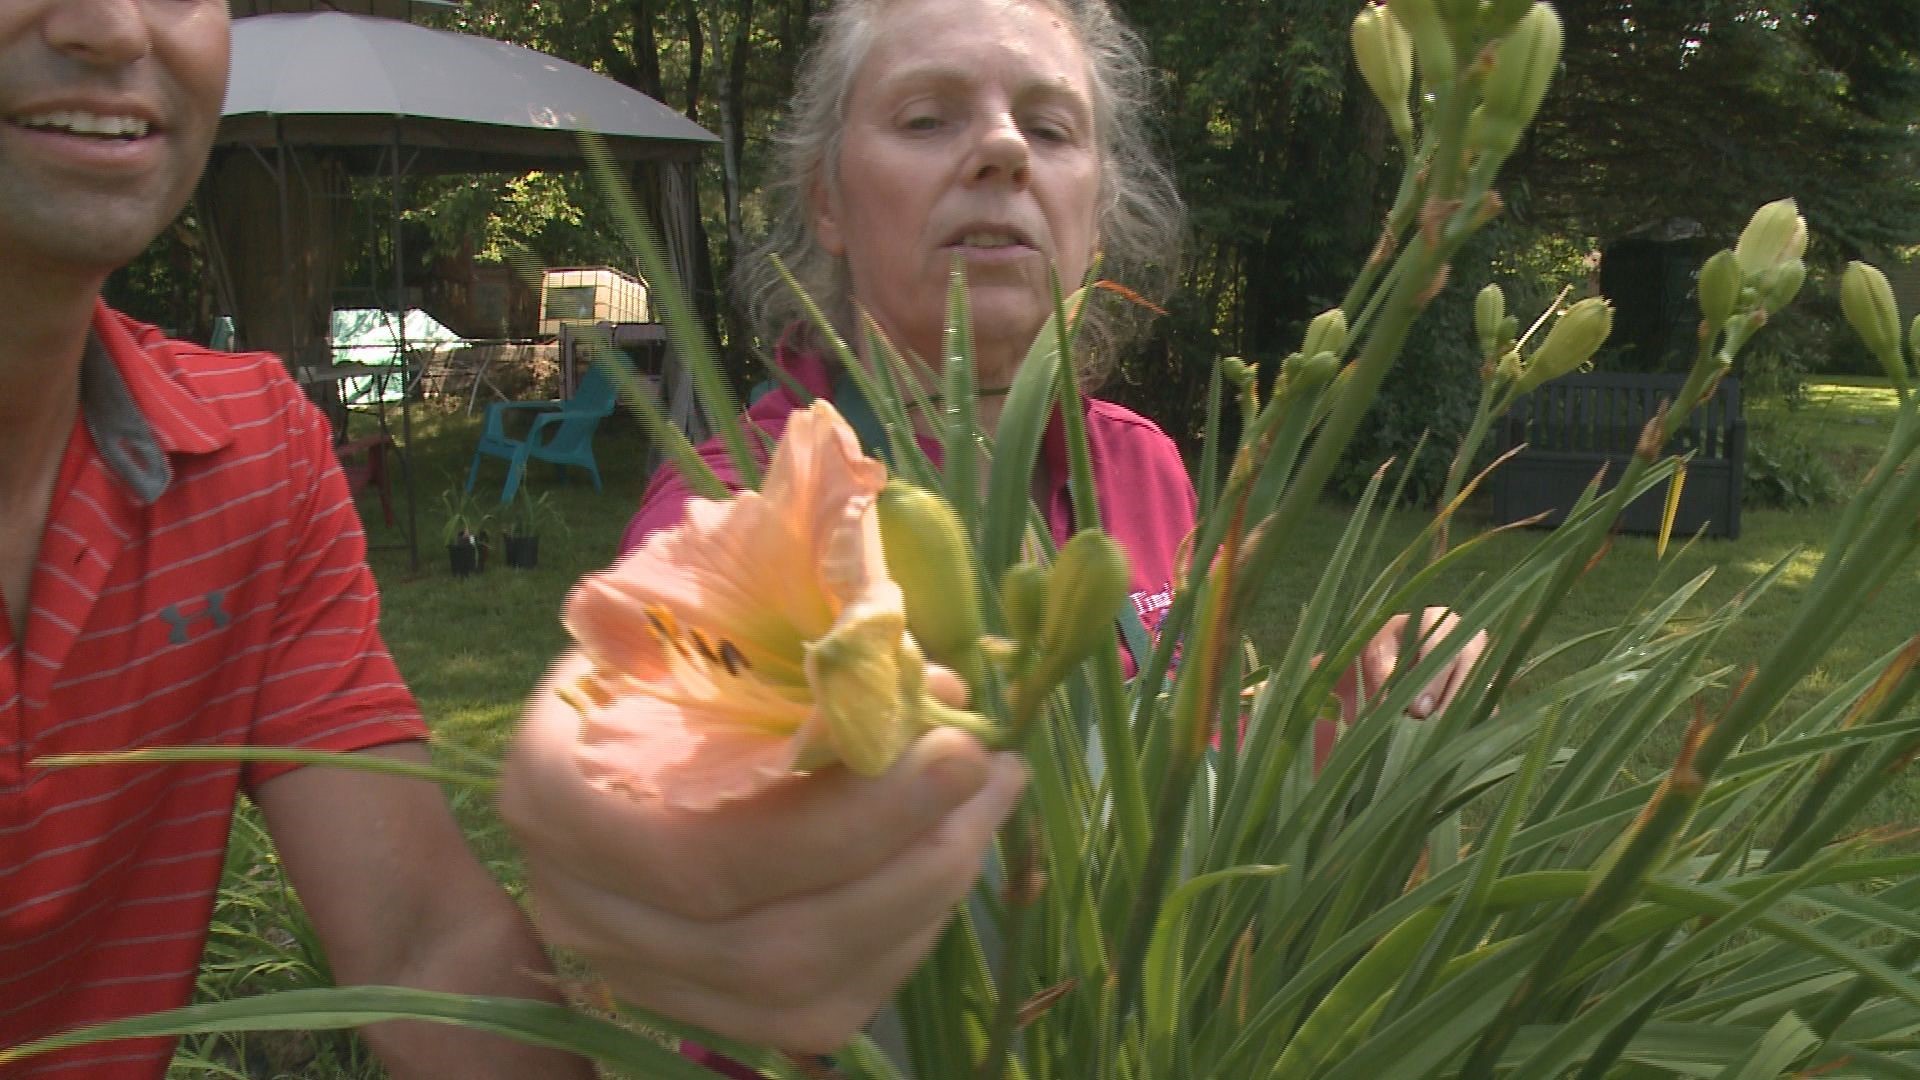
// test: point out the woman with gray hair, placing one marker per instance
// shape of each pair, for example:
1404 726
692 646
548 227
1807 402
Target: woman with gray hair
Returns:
1007 135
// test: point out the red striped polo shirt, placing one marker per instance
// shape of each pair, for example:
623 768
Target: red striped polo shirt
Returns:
201 581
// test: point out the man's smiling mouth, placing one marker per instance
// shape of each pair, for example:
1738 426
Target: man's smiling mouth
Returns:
87 125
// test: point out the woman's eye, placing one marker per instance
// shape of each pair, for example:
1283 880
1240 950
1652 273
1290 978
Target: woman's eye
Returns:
921 123
1052 131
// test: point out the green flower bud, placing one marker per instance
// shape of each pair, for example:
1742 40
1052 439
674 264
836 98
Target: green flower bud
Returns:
1510 369
1867 301
1575 337
1719 289
1498 17
1384 54
1023 596
1306 372
1740 330
1461 17
1778 286
1326 333
1489 318
1523 66
1776 234
1432 47
1084 593
929 556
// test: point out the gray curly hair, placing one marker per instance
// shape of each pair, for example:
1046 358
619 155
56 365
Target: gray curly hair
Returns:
1142 222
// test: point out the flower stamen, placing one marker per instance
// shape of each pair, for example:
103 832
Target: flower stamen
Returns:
694 645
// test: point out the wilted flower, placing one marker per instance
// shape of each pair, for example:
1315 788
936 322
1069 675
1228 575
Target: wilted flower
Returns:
761 636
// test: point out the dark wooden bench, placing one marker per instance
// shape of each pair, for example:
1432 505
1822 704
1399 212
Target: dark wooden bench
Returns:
1574 426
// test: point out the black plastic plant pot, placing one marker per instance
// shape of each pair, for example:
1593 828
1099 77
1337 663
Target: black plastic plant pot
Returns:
466 556
523 552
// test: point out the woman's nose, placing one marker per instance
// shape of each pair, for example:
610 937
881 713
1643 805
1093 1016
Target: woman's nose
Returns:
1003 153
100 33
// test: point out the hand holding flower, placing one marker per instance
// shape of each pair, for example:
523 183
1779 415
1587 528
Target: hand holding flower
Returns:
786 918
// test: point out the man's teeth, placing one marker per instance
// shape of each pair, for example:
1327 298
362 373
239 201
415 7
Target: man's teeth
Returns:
988 240
79 123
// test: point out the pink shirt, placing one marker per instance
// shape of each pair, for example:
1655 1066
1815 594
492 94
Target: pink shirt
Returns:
1146 498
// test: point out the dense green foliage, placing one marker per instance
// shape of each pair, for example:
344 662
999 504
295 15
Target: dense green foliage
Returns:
1666 111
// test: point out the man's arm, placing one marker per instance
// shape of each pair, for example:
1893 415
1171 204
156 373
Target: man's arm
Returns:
399 900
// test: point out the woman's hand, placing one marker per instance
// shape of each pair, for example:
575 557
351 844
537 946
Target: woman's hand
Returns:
786 919
1376 664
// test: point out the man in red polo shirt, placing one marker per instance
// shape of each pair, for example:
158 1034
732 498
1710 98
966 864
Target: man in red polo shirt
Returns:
180 565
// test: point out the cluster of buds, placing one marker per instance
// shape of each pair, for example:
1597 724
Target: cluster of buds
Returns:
1741 287
1867 300
1059 615
1319 357
1576 335
1493 325
1056 616
1525 36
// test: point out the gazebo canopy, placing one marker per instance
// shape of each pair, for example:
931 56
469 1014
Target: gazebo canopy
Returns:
360 85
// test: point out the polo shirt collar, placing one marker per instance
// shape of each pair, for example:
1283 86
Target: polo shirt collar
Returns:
136 409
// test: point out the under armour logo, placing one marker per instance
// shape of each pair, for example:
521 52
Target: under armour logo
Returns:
178 620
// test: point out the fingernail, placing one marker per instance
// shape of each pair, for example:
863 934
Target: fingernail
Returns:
1423 706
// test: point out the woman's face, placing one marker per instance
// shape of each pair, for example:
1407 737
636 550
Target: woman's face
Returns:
969 132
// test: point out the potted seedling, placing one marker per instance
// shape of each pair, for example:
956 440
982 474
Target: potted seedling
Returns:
522 524
465 532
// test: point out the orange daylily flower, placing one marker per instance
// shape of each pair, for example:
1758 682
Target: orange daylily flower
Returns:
761 636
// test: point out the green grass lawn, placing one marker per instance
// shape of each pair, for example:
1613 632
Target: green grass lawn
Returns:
472 648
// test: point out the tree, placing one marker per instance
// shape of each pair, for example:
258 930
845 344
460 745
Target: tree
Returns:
1703 109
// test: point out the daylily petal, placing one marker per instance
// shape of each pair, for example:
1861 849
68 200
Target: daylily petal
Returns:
652 749
761 636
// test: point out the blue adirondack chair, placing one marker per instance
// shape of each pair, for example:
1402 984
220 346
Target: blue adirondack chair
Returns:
562 433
